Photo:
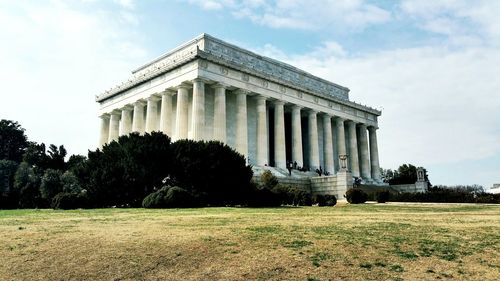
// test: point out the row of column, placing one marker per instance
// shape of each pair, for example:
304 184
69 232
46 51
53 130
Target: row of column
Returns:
363 155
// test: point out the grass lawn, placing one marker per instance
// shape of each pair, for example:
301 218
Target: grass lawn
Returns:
346 242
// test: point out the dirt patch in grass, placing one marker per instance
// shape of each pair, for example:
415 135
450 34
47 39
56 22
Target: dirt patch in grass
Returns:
350 242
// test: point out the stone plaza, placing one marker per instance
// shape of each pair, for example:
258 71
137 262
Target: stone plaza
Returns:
276 115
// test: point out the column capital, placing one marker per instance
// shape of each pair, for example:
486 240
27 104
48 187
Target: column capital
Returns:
127 107
372 128
326 116
242 91
362 125
296 107
261 98
104 116
312 112
153 98
220 85
140 102
200 79
116 112
167 92
183 85
278 102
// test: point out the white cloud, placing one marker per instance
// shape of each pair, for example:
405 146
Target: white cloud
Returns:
457 18
302 14
54 60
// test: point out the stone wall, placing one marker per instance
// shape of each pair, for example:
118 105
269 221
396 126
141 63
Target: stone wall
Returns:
408 188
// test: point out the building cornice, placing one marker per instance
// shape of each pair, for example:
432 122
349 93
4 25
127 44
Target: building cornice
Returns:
215 50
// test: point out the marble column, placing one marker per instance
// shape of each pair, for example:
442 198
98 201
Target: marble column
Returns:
339 124
262 139
104 130
353 149
279 135
166 113
297 155
126 124
327 144
152 114
114 126
138 118
363 151
220 113
374 161
181 120
198 115
313 141
241 123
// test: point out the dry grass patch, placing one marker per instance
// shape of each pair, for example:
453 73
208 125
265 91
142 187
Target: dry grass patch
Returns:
349 242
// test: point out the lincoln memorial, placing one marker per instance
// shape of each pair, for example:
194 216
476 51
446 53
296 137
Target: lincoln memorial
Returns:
271 112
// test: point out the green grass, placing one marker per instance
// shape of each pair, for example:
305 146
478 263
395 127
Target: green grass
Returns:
350 242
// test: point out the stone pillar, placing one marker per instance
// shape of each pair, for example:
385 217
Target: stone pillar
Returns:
339 124
181 120
138 118
313 141
353 148
220 113
152 114
363 151
279 135
297 155
241 123
104 136
166 113
327 144
114 126
126 124
198 117
262 139
375 167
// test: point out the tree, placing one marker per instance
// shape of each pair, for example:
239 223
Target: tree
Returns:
35 155
13 141
26 186
51 184
7 170
56 157
405 174
125 171
211 168
70 183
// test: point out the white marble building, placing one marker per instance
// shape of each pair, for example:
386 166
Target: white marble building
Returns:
269 111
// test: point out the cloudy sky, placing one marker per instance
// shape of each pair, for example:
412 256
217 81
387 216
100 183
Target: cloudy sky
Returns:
432 67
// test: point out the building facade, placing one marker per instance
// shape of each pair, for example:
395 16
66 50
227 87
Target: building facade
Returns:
270 112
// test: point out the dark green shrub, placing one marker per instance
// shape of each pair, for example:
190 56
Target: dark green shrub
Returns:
382 196
68 201
268 180
319 199
356 196
170 197
263 197
324 200
331 200
212 168
300 197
